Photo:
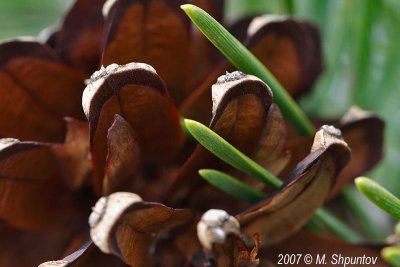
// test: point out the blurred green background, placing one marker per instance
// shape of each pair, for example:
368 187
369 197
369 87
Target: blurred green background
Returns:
362 56
362 63
29 17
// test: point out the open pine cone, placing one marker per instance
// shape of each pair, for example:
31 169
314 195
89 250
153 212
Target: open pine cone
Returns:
130 153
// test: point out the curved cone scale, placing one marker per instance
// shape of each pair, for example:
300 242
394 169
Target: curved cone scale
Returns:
126 226
137 93
32 192
270 151
155 32
39 212
78 41
305 190
363 132
240 106
290 49
34 86
123 158
240 109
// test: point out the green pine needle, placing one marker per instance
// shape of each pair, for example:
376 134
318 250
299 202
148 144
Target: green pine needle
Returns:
380 196
231 185
228 153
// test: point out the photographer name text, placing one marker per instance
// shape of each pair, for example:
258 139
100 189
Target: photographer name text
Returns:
325 259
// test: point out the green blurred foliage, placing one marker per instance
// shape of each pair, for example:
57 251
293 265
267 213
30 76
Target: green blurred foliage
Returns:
362 63
29 17
362 68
